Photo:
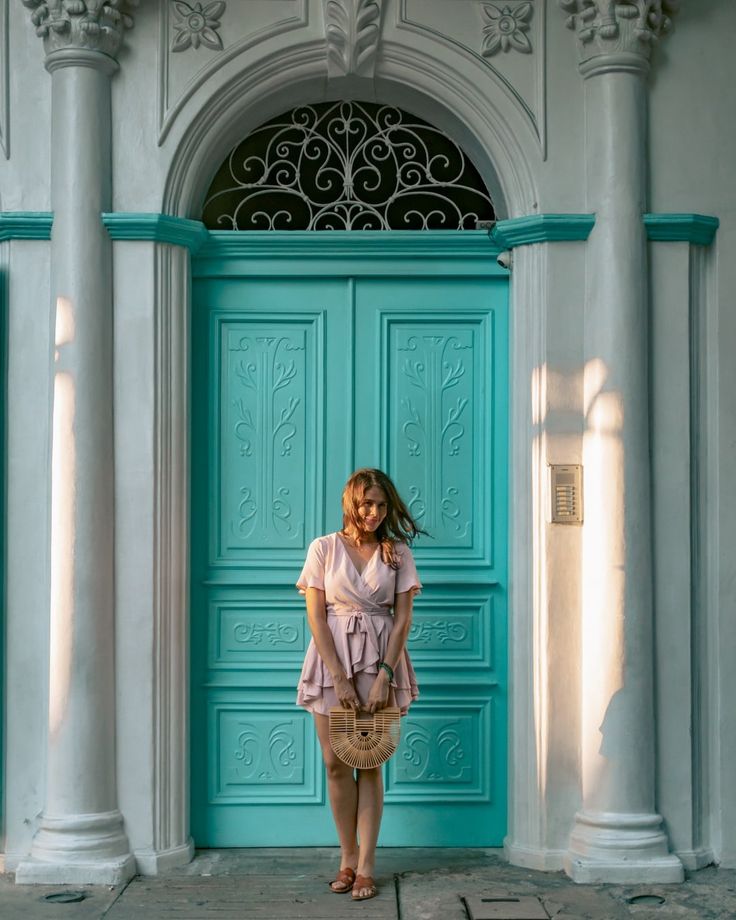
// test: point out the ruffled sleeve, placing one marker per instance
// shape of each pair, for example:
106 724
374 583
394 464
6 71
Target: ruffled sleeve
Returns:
407 578
313 573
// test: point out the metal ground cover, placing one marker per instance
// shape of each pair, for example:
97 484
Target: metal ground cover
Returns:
504 907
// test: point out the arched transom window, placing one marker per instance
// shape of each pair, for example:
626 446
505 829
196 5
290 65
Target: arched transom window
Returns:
347 166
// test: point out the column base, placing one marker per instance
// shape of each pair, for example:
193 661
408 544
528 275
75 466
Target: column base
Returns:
623 849
79 849
101 872
696 859
153 862
534 857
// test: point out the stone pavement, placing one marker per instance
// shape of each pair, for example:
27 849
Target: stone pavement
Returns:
416 884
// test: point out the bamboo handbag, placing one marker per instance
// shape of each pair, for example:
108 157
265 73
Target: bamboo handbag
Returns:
362 740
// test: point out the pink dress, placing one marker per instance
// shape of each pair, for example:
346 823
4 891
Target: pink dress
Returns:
360 615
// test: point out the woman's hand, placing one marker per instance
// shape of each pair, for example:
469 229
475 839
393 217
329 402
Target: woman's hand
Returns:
345 692
378 697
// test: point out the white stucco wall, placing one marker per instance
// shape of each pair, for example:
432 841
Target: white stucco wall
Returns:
692 141
24 186
25 176
28 527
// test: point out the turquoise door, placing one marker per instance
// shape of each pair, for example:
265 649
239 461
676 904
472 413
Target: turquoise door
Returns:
314 354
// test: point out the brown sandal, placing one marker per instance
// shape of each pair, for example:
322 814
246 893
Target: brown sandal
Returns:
344 877
364 881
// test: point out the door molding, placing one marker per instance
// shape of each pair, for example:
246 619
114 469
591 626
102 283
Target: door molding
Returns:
340 252
461 282
172 843
443 90
534 815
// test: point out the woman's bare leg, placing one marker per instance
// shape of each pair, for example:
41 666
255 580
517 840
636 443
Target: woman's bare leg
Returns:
343 792
370 810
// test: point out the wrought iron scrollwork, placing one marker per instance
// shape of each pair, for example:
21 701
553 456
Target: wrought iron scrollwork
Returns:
347 166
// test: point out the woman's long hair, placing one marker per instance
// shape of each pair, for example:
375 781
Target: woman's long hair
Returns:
398 525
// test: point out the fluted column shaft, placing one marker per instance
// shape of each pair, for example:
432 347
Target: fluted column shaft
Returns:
81 837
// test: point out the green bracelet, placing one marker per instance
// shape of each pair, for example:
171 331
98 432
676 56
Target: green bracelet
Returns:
387 668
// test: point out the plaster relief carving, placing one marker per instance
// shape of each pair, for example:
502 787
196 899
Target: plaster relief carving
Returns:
483 32
506 29
625 26
91 25
231 29
195 25
352 31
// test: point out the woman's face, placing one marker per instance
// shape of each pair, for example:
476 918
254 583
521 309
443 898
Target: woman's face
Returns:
372 509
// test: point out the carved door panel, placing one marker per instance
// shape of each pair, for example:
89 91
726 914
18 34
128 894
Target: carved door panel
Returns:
296 381
265 354
439 427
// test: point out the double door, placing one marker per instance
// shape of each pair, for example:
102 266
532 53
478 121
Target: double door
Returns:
301 375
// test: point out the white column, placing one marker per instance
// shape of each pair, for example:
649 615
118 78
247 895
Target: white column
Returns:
617 835
81 838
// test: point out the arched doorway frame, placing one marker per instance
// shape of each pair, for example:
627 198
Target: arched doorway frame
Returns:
434 82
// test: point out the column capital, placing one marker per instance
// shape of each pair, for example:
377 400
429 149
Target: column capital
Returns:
618 34
89 27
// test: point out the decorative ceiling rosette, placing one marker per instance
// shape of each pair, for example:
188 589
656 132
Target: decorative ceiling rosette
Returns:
347 166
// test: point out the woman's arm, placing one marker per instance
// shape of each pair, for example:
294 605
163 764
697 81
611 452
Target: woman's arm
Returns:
403 604
322 634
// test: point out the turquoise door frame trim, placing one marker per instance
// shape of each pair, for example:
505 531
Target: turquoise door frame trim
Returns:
341 253
396 244
159 228
542 228
25 225
694 228
699 229
356 245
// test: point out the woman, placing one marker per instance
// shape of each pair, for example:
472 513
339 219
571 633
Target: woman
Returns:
352 580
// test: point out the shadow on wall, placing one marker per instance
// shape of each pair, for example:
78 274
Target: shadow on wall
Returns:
603 556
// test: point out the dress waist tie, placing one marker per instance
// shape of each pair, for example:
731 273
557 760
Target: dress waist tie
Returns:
360 624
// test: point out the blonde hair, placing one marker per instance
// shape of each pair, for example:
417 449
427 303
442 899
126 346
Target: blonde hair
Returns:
397 527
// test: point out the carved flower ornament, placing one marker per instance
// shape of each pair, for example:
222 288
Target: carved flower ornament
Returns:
506 28
197 25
